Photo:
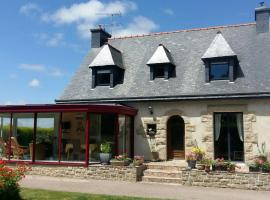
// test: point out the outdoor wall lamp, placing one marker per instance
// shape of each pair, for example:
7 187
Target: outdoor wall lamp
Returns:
150 108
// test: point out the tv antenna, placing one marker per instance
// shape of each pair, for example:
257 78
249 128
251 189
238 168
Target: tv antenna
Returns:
113 24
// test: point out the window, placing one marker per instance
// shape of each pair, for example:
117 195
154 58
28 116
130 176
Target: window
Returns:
103 79
159 72
219 71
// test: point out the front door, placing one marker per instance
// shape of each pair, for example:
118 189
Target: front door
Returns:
175 138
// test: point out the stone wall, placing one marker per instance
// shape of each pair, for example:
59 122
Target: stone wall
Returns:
109 172
198 118
252 181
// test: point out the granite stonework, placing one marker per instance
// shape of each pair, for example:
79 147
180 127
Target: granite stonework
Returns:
199 125
238 180
101 172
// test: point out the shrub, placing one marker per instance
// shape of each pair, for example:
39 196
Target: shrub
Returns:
105 147
9 178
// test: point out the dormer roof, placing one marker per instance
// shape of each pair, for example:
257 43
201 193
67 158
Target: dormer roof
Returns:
218 48
108 56
161 55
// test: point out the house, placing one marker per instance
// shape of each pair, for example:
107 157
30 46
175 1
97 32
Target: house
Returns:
156 95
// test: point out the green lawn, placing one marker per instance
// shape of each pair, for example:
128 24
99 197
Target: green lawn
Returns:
34 194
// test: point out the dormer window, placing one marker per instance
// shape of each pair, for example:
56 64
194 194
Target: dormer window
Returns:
159 71
219 71
220 60
161 64
107 67
103 78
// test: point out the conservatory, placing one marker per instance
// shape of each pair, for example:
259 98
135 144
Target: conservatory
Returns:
64 134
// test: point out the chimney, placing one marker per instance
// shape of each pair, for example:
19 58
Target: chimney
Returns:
99 37
262 18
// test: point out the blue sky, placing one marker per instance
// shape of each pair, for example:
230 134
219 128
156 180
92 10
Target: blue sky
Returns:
43 42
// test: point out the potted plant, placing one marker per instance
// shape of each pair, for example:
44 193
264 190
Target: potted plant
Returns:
198 152
191 160
105 155
120 160
230 166
266 167
207 164
219 165
257 164
138 160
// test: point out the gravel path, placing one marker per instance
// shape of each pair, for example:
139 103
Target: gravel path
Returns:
154 190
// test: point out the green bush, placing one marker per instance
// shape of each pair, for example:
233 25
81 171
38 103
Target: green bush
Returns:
105 147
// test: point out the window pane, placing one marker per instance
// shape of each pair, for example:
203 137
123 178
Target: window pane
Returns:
73 137
102 129
22 137
158 72
4 136
103 79
219 71
121 135
47 137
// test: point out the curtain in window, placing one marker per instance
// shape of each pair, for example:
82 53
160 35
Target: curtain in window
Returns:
239 121
217 126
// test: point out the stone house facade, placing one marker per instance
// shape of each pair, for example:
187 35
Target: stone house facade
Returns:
207 87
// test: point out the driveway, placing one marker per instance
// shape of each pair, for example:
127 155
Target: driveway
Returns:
140 189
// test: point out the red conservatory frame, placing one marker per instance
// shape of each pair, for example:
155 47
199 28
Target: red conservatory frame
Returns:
62 108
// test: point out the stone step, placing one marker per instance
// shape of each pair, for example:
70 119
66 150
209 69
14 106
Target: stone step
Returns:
161 179
162 173
166 167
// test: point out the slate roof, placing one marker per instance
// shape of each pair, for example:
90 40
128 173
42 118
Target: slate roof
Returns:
218 48
108 56
161 55
187 48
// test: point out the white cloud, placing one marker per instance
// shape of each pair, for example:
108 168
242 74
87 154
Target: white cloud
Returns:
56 72
168 11
33 67
40 68
87 14
53 40
34 83
139 25
29 8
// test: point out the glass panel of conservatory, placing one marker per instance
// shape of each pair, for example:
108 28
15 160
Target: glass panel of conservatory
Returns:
22 136
102 129
73 136
124 135
4 136
46 137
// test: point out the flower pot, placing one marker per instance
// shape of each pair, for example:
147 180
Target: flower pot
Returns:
219 168
105 158
254 169
119 163
265 170
207 168
200 166
231 169
191 164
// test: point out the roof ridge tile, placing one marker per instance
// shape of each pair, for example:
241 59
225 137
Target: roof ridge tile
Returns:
183 30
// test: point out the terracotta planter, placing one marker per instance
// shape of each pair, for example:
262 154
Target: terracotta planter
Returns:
119 163
207 168
265 170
